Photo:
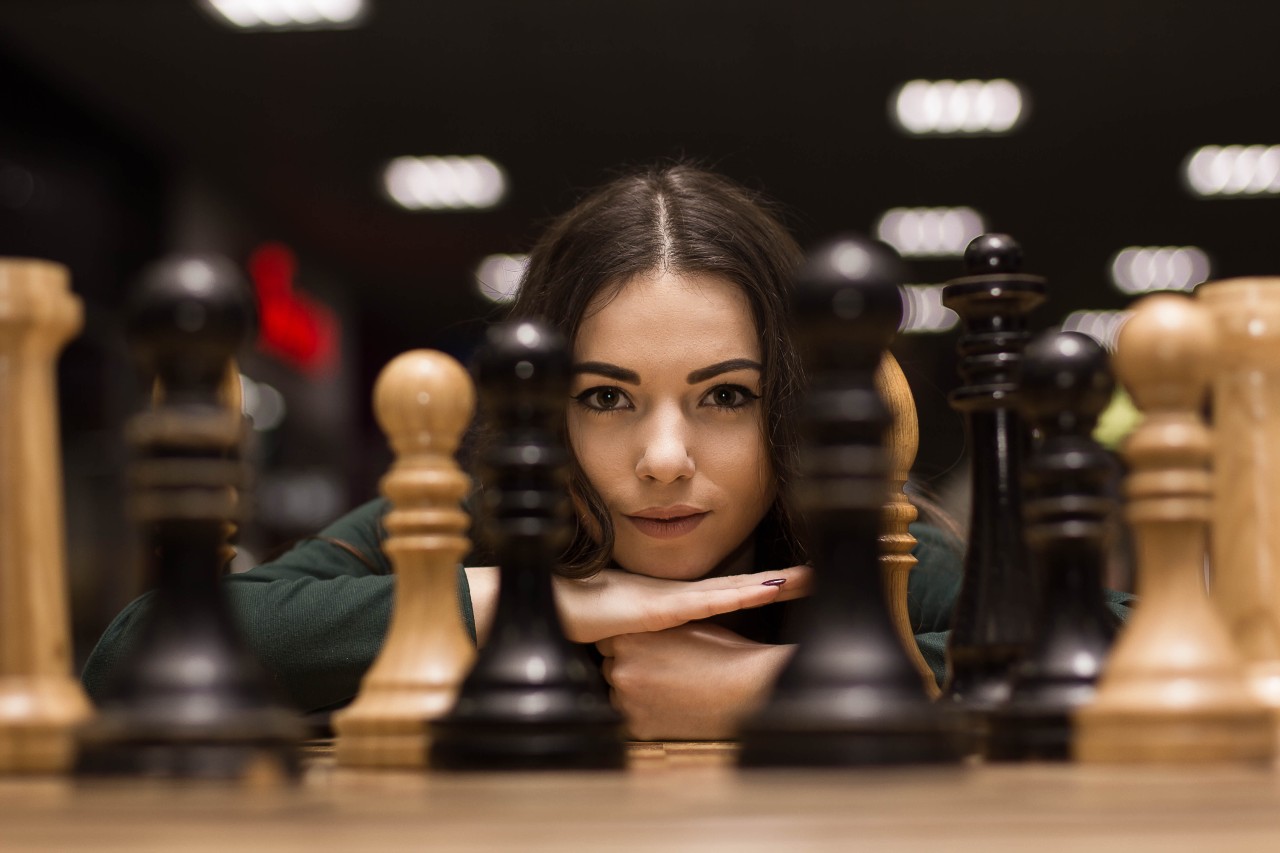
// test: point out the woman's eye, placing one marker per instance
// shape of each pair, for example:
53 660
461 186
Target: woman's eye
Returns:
604 398
729 397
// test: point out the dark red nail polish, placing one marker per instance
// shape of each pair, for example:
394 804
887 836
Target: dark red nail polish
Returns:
775 582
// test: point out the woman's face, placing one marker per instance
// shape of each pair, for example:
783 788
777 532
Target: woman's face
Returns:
666 423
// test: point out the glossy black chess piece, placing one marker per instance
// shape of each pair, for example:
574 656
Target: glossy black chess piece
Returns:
188 701
849 696
1069 511
994 618
533 700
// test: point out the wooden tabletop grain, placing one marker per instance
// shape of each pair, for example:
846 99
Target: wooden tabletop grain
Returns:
672 797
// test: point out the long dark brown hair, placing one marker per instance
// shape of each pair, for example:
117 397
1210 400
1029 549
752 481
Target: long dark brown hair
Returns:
683 220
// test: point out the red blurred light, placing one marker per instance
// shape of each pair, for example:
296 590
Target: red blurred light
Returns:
293 327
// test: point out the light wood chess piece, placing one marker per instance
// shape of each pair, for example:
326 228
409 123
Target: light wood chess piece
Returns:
1245 545
896 542
41 703
1174 689
423 401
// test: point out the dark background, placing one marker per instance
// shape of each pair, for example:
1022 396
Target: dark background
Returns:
130 129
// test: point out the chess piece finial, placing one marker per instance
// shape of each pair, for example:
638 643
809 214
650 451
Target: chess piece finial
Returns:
850 695
1068 511
533 700
423 400
993 253
1174 689
189 701
1066 382
187 318
41 703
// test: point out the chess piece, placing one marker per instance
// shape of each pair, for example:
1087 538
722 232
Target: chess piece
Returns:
1246 466
533 699
189 701
849 695
41 703
896 541
994 618
423 400
1174 689
1068 512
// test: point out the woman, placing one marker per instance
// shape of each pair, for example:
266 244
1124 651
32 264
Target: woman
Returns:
672 287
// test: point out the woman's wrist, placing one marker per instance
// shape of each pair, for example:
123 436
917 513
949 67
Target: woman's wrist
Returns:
483 581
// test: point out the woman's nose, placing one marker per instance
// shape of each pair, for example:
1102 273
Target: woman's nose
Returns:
665 454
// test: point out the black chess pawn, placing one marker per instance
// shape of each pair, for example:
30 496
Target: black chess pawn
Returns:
533 700
994 618
1069 511
850 695
189 701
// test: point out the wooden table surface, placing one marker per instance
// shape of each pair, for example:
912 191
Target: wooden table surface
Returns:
673 797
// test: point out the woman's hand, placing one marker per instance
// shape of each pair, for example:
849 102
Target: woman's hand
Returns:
616 602
694 682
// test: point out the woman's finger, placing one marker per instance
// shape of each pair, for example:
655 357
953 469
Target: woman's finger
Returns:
691 605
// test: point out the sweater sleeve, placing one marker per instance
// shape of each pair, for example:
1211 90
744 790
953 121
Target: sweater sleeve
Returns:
315 618
934 586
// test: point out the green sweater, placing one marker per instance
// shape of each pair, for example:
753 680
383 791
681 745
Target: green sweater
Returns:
316 617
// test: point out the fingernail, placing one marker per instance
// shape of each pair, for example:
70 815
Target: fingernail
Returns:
775 582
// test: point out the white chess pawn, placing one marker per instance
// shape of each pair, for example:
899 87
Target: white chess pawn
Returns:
423 401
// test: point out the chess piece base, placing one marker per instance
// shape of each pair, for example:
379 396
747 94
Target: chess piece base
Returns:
36 749
870 747
38 719
383 749
1144 737
252 746
1029 735
546 746
265 763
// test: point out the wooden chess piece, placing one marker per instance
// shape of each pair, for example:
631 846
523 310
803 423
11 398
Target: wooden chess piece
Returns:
994 618
189 701
1174 689
423 401
1065 384
850 695
896 541
1245 545
533 699
41 703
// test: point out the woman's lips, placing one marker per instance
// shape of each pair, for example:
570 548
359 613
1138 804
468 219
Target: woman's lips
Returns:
667 528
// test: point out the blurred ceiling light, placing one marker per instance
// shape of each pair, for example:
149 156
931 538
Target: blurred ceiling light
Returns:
1142 269
262 404
444 183
498 276
930 232
959 107
1102 326
923 311
1233 170
287 14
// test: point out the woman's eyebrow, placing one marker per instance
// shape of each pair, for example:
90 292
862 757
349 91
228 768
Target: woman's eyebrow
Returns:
702 374
610 371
